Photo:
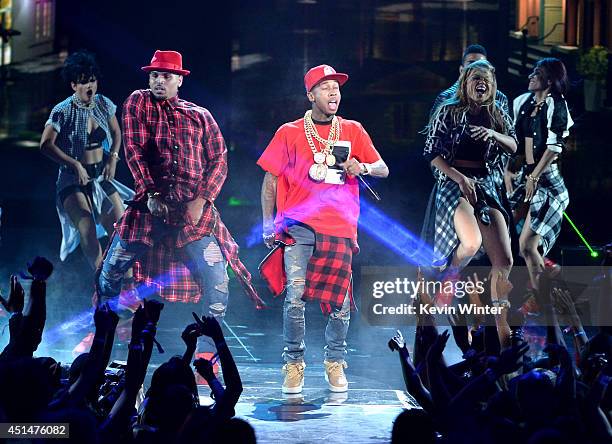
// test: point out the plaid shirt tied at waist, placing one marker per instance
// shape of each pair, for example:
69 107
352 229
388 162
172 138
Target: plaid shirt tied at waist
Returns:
329 271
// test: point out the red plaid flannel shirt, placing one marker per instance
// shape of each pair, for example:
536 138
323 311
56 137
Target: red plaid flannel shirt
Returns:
164 271
329 270
175 148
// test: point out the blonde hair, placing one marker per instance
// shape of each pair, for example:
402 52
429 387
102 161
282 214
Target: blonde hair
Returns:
459 106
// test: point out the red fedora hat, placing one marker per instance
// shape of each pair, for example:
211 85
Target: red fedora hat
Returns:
170 61
320 73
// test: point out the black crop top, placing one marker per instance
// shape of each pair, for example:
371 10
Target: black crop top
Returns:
95 139
469 148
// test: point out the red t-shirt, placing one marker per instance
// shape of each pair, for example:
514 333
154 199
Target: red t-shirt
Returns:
331 209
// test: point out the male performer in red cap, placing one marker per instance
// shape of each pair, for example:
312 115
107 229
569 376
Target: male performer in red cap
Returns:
311 166
178 158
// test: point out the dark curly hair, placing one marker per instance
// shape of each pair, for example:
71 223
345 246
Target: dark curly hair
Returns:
80 65
474 49
554 71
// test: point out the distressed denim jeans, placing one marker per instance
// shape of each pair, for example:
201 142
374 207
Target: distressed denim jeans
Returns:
202 257
294 324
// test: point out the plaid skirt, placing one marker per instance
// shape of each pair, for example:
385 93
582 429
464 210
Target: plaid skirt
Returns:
447 195
547 206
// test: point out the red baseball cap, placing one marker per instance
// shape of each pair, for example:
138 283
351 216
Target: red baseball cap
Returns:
169 61
320 73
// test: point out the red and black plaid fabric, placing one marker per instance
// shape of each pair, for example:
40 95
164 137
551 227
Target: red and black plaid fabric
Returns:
163 270
173 147
329 272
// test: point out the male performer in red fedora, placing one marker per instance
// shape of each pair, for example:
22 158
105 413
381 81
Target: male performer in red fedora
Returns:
178 158
311 166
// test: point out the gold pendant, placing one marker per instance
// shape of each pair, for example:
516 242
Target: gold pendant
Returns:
330 160
317 172
319 158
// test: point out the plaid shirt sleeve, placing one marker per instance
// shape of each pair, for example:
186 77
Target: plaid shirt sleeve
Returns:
437 134
216 160
440 99
135 136
503 101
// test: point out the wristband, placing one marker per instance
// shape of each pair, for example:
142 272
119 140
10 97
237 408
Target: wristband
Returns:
114 155
504 303
365 170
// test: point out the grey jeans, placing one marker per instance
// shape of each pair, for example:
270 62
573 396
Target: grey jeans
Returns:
294 324
204 260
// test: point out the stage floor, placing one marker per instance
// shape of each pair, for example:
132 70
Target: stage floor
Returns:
364 414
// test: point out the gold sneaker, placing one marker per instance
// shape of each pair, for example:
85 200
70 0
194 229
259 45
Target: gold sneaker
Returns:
334 375
294 377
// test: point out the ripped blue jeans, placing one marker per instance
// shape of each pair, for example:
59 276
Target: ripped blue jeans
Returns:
203 258
294 323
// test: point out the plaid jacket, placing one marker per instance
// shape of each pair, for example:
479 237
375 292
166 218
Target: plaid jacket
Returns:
175 148
164 272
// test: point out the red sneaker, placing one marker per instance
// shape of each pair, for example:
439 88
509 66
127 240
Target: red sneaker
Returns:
444 297
552 267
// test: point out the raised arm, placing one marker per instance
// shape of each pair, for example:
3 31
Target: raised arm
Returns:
105 321
413 382
233 384
190 338
439 392
14 307
144 328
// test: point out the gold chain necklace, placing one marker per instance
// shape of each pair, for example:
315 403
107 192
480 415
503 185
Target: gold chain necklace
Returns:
324 158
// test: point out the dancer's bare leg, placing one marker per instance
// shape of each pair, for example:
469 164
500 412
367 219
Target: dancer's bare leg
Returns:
496 242
468 233
528 243
78 207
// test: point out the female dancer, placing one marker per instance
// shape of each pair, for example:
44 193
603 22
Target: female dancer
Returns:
542 122
80 130
465 141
